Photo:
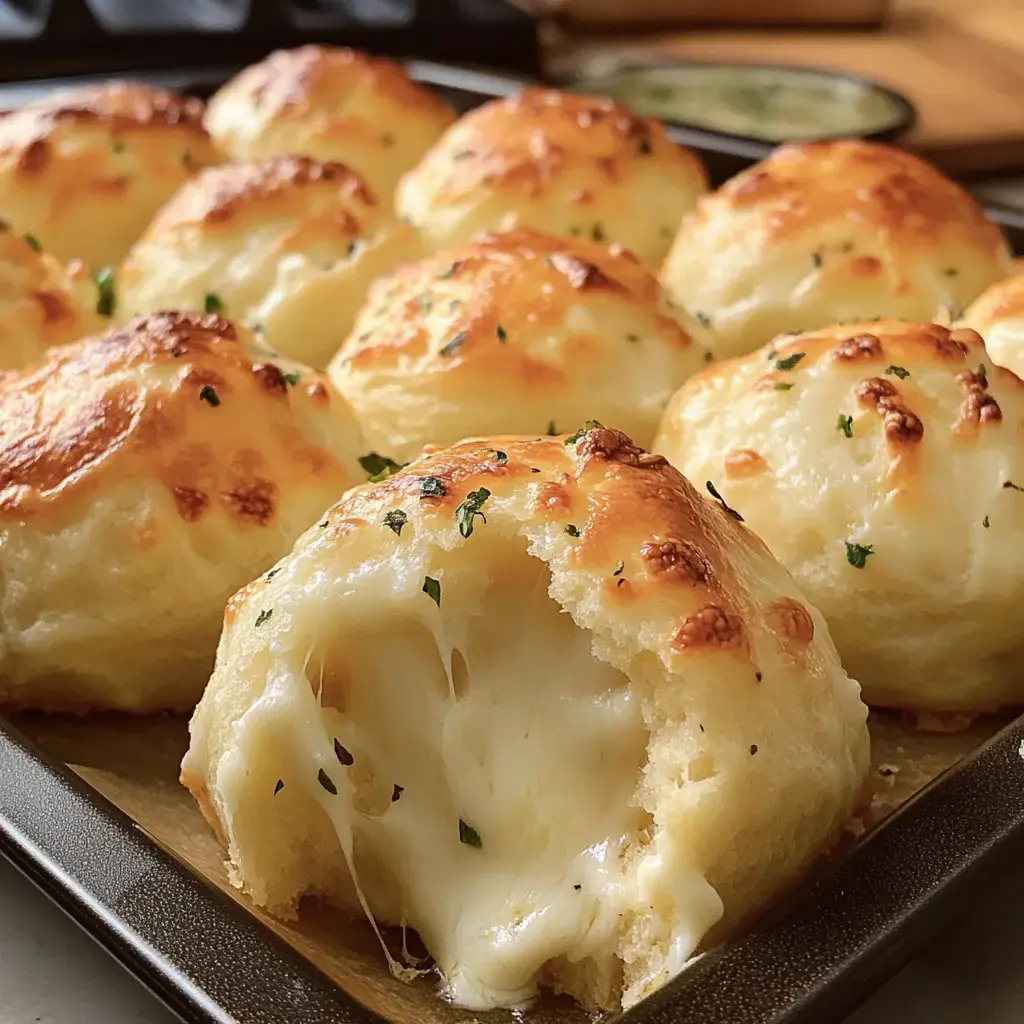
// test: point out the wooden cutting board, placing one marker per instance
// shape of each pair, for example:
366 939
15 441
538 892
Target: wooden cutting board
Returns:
960 62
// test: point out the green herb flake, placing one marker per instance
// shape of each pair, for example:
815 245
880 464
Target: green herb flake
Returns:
264 616
753 749
1011 485
425 302
500 457
597 232
270 575
982 372
432 588
327 782
470 509
632 338
395 520
781 385
33 243
619 569
845 424
106 291
587 426
790 362
187 160
577 886
951 271
212 303
207 394
643 146
378 467
343 754
897 371
469 836
454 344
703 319
573 531
857 554
817 259
985 522
447 272
501 333
431 487
278 786
552 431
117 146
396 793
291 378
713 491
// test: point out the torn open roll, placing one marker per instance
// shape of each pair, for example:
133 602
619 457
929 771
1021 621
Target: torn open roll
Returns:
541 701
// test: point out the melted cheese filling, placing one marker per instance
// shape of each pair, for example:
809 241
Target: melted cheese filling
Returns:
486 765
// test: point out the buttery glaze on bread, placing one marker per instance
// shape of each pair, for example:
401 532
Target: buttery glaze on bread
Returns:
42 304
145 474
514 332
998 316
540 700
572 165
331 104
288 245
827 232
882 463
84 170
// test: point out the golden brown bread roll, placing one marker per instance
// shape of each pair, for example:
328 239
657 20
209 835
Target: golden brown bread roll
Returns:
538 699
288 246
331 104
882 464
571 165
998 316
84 170
827 232
513 332
145 474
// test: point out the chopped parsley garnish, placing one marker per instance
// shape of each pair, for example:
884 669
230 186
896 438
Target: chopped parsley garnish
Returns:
264 616
501 333
789 363
270 575
1010 484
845 424
500 457
469 835
753 749
552 431
597 232
781 385
327 782
117 146
985 522
33 243
186 157
278 786
106 291
898 371
425 302
857 554
573 531
816 259
395 520
577 886
207 394
588 425
342 753
452 346
378 467
703 319
432 588
431 487
951 271
758 675
212 303
396 793
448 271
619 568
470 509
291 378
643 146
713 491
632 337
982 373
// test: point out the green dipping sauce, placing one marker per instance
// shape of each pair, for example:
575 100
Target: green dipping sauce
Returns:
760 102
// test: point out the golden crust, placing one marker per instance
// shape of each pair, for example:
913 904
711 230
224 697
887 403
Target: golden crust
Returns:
332 104
998 315
144 474
830 231
566 163
287 245
514 331
706 632
85 169
898 437
41 303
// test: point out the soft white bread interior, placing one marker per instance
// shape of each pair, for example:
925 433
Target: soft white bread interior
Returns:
329 103
572 165
827 232
882 463
519 332
287 245
42 303
539 700
145 474
83 170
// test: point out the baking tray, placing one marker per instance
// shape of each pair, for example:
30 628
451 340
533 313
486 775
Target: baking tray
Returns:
91 811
